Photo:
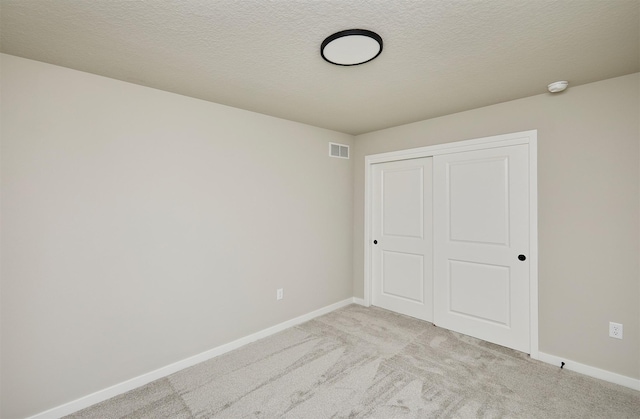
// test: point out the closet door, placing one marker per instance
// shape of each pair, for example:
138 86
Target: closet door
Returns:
402 237
481 244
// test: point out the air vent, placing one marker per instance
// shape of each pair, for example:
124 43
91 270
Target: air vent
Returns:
340 151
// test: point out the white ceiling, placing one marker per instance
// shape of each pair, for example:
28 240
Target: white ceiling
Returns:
439 57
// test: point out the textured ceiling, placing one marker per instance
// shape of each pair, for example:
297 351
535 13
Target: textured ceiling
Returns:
439 57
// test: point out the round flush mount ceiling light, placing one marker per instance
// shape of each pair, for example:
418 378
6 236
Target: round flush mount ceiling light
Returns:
351 47
558 86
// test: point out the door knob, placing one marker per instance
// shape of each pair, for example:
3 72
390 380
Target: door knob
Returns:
375 242
522 257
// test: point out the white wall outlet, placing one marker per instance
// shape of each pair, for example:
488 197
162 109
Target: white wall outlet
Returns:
279 294
615 330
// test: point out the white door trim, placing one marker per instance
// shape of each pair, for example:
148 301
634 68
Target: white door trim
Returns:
524 137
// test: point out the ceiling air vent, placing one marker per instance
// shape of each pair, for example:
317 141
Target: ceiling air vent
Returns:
340 151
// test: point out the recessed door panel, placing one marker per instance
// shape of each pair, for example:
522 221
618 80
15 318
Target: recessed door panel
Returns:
480 291
479 200
403 275
403 202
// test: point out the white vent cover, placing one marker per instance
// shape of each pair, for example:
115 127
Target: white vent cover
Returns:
340 151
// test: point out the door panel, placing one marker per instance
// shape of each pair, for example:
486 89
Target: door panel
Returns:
403 202
480 291
403 275
402 227
481 225
482 185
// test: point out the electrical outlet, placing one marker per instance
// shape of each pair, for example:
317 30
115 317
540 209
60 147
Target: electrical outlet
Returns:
279 294
615 330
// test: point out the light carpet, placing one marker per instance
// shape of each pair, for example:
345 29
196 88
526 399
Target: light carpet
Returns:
359 362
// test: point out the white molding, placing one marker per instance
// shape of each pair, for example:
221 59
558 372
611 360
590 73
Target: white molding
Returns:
594 372
516 138
503 140
117 389
360 301
533 243
368 193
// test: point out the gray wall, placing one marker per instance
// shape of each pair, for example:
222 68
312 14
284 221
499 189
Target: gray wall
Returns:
589 209
140 227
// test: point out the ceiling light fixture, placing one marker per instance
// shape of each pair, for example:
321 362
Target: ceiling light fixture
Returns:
558 86
351 47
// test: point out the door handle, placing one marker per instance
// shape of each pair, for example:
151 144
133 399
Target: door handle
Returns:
375 242
522 257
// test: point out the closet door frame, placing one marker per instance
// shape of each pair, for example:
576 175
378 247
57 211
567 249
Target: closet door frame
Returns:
525 137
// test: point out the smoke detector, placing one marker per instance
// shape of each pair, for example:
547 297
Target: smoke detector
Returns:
558 86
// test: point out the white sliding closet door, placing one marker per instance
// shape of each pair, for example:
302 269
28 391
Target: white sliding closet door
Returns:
402 237
481 244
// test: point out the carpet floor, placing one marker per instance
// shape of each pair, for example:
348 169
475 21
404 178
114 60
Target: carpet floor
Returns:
359 362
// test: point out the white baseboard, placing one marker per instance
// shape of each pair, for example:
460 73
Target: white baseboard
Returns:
594 372
115 390
359 301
